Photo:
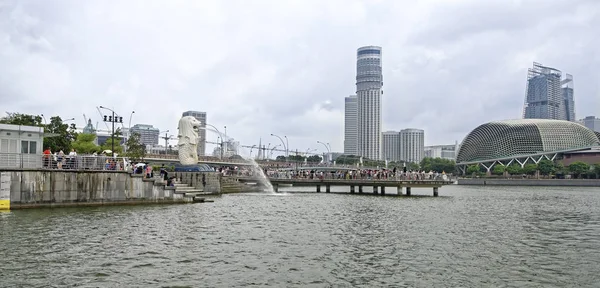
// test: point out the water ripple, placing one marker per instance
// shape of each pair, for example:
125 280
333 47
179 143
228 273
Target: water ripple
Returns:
476 237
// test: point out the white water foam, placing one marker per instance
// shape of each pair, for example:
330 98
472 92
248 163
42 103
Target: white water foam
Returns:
262 178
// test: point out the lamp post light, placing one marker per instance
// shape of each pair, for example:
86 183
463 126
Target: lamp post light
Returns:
220 136
112 119
166 137
272 149
326 147
287 146
44 117
284 145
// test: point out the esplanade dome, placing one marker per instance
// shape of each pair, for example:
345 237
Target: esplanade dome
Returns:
523 137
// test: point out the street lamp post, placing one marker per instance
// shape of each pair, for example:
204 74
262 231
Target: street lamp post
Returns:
112 119
44 117
220 136
328 150
287 146
283 143
166 140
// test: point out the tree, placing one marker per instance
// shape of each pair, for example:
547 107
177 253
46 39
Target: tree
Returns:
514 169
22 119
546 167
412 166
347 160
498 170
529 169
280 158
314 159
108 144
579 168
85 144
438 165
473 169
135 150
597 170
297 158
65 135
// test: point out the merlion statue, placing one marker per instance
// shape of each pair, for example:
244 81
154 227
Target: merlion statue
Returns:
188 140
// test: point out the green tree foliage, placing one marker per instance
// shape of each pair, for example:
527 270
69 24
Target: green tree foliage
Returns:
597 170
84 144
546 167
438 165
280 158
116 138
314 159
473 169
22 119
135 149
347 160
579 168
62 141
529 169
498 169
514 169
296 158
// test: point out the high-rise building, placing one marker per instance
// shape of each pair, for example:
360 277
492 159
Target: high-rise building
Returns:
148 134
391 145
201 117
591 122
547 96
369 83
569 100
350 126
412 145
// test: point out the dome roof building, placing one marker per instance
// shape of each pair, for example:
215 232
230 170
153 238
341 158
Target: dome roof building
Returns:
524 138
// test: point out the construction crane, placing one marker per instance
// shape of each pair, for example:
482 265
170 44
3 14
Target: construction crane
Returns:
84 118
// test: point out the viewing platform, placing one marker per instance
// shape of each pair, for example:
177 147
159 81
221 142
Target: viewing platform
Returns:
357 185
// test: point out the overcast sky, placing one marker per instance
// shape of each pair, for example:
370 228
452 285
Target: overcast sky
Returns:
284 67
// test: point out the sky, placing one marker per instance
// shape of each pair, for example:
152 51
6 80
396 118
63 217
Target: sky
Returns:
284 66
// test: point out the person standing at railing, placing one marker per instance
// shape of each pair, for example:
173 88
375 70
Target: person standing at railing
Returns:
47 158
59 159
71 159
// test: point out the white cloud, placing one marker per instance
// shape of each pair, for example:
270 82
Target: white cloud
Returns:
284 67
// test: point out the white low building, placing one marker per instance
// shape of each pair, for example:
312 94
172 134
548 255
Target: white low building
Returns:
21 146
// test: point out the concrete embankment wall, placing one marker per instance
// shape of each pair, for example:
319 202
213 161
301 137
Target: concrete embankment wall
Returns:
211 183
530 182
56 188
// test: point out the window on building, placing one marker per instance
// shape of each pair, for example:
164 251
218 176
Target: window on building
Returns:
28 147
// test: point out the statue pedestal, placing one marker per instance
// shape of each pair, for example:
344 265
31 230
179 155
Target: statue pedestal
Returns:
187 168
192 168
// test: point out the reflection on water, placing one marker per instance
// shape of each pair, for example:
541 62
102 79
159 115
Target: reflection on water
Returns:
474 237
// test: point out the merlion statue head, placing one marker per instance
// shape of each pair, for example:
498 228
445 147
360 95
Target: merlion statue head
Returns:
188 130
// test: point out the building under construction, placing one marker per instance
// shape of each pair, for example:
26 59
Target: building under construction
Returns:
548 96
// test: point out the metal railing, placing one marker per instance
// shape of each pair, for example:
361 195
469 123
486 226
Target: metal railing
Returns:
83 162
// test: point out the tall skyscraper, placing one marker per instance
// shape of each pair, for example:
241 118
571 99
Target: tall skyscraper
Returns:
412 145
350 126
391 145
200 116
567 93
547 96
369 83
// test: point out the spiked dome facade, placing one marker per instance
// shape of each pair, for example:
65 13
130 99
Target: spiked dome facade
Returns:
502 142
